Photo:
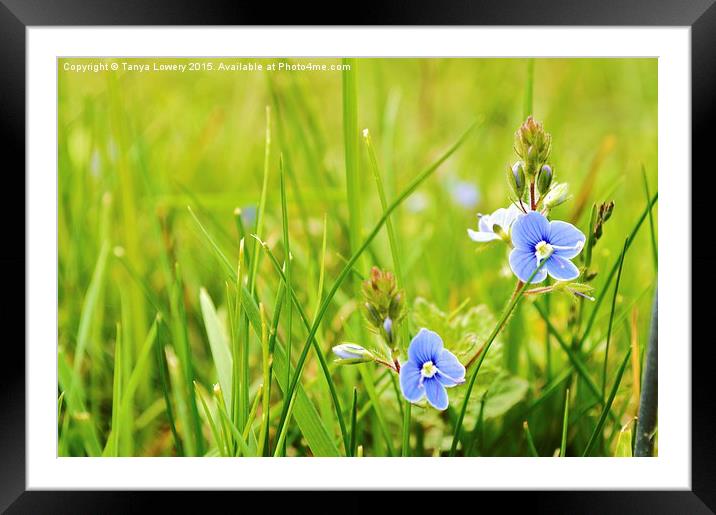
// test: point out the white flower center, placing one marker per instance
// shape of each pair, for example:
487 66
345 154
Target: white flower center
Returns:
429 369
543 250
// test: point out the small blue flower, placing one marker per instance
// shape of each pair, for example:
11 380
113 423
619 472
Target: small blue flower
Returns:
248 215
429 370
465 194
388 328
349 353
535 239
495 226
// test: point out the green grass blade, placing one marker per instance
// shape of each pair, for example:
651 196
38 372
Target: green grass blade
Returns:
139 371
84 420
243 447
126 403
287 278
350 138
162 367
271 346
529 89
574 358
607 408
60 400
405 448
221 444
611 320
181 340
652 233
252 414
367 380
530 441
89 307
214 246
551 387
266 374
240 350
220 350
392 239
112 447
354 424
262 202
565 426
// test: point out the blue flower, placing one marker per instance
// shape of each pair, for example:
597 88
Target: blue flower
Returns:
465 194
429 370
350 353
388 328
248 215
495 226
535 239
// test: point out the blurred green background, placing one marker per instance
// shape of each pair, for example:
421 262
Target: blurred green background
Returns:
136 148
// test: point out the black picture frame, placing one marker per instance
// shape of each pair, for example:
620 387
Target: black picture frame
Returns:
17 15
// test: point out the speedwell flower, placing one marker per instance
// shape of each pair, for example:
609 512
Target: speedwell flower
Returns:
536 239
429 370
465 194
495 226
350 353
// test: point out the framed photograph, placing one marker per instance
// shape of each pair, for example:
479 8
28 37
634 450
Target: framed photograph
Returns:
431 255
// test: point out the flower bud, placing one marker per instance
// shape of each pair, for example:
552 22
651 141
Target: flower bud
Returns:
605 210
544 179
556 196
598 231
382 300
388 328
533 145
350 353
371 314
396 310
516 179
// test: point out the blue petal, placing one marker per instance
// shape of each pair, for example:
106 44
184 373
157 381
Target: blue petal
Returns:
523 263
450 370
482 237
529 230
436 394
425 346
560 268
410 381
566 239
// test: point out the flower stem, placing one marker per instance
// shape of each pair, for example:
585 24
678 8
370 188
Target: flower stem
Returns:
406 430
516 296
533 204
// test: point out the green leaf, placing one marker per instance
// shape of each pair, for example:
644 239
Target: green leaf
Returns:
219 344
463 334
506 391
623 449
